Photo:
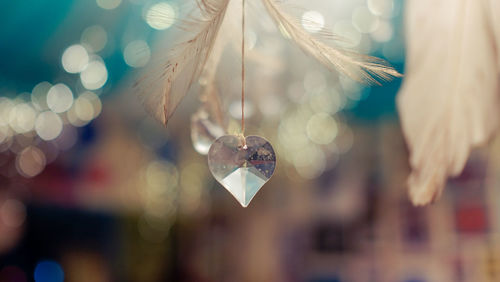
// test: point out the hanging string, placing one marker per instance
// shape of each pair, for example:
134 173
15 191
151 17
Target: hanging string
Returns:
243 67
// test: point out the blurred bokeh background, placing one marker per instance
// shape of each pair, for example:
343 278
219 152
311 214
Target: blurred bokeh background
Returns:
93 189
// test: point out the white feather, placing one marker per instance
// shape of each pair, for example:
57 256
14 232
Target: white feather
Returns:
449 100
358 67
163 89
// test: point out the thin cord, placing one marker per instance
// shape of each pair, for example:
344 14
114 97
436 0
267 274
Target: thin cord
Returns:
242 67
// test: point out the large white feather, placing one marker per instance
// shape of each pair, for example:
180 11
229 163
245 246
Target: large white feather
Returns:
209 96
449 100
163 88
358 67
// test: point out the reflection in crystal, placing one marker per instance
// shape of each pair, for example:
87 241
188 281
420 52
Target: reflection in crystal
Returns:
242 170
204 131
250 178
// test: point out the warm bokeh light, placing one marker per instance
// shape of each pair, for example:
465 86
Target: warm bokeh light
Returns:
364 20
321 128
160 174
22 118
313 21
383 33
4 134
161 15
346 30
108 4
12 213
86 108
94 76
137 53
59 98
75 59
94 38
192 180
310 162
235 109
48 125
83 109
6 106
30 162
383 8
39 95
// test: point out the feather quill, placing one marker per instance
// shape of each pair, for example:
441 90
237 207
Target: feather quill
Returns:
449 100
209 96
163 90
229 36
359 67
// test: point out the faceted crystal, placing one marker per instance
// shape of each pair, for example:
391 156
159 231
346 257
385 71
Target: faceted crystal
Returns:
204 131
242 168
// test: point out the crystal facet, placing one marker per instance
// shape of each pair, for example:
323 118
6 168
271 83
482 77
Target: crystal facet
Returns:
242 165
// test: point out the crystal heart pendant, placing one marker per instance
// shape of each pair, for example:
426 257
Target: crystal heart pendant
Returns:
242 165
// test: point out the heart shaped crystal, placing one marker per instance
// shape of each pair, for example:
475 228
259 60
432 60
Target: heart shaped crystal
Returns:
242 165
